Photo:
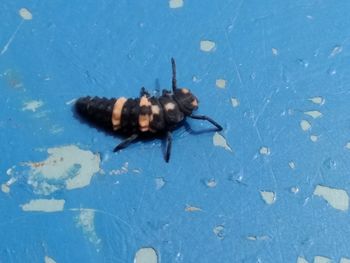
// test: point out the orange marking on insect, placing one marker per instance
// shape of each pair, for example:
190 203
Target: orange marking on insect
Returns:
185 91
195 103
117 112
144 119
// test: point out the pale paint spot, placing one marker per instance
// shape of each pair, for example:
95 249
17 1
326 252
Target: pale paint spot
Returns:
44 205
220 141
268 197
274 51
123 170
337 198
169 106
221 83
67 167
321 259
190 208
305 125
86 221
155 109
146 255
344 260
25 14
49 260
314 114
302 260
176 3
292 165
32 105
265 150
336 50
294 190
211 183
219 231
314 138
258 238
160 182
207 45
318 100
347 145
234 102
5 188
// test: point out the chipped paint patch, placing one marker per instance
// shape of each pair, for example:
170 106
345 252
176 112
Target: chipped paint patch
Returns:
6 186
292 165
219 231
47 259
160 182
318 100
220 141
66 167
86 221
321 259
176 3
314 138
207 46
268 197
344 260
294 189
305 125
336 50
347 145
25 14
258 238
211 183
302 260
32 105
220 83
123 170
190 208
146 255
234 102
44 205
337 198
314 114
274 51
264 150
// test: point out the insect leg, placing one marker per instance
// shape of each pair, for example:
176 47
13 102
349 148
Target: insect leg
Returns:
126 142
168 146
173 66
206 118
144 92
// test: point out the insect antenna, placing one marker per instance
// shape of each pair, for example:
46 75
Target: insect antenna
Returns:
173 66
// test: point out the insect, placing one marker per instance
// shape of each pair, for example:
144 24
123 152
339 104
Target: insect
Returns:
152 115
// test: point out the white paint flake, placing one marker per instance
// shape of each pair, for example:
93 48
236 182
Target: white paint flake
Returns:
66 167
274 51
318 100
48 259
347 145
314 138
344 260
302 260
190 208
5 188
160 182
321 259
305 125
292 165
336 50
258 238
265 150
234 102
86 221
44 205
220 83
176 3
25 14
220 141
294 189
207 46
219 231
211 183
146 255
337 198
314 114
32 105
268 197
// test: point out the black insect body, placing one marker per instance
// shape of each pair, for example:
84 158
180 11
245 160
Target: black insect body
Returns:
144 115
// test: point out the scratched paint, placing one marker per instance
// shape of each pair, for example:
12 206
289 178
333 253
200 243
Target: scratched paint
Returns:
337 198
44 205
86 221
67 167
146 255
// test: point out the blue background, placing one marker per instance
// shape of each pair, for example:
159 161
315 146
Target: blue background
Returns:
112 48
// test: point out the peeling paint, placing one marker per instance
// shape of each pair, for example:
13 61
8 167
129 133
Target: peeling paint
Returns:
302 260
190 208
314 138
146 255
219 231
176 3
207 46
336 50
220 83
66 167
318 100
337 198
44 205
32 105
235 102
268 197
294 189
305 125
86 221
25 14
264 150
314 114
321 259
211 183
123 170
47 259
292 165
220 141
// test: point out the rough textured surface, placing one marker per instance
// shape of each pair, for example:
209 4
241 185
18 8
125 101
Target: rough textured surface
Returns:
284 108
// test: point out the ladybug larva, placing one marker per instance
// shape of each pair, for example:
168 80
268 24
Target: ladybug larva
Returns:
151 115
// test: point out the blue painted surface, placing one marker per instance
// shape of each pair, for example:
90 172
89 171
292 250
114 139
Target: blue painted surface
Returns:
112 48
